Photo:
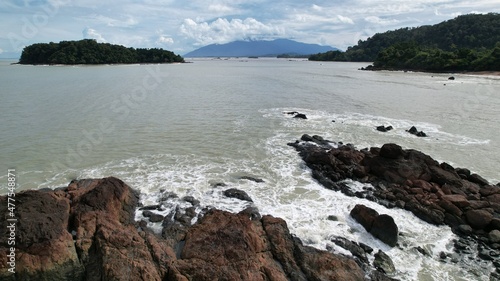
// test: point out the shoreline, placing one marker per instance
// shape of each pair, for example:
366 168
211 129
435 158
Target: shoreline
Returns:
408 179
471 73
177 227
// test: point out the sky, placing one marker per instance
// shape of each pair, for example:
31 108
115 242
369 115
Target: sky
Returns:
183 26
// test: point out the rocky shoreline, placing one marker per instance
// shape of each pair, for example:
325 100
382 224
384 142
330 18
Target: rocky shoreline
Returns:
91 230
409 179
87 231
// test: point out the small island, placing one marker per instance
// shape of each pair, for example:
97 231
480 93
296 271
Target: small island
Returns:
89 51
468 43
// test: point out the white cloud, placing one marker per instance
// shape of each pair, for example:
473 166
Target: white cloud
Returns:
1 51
345 19
165 40
222 30
220 8
317 8
90 33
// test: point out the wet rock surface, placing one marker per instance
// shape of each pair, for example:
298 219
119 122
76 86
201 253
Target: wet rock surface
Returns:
87 231
238 194
409 179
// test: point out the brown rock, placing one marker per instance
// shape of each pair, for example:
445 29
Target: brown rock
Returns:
478 204
494 198
42 239
475 178
423 185
459 200
226 246
489 190
417 191
391 151
318 265
446 189
450 207
478 219
441 176
364 215
229 246
111 246
427 214
318 156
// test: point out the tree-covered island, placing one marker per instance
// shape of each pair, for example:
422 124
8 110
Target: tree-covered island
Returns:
88 51
466 43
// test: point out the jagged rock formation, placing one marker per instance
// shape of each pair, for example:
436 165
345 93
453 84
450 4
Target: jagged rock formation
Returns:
87 231
409 179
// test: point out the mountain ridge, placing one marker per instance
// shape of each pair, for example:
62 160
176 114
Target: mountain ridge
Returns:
259 48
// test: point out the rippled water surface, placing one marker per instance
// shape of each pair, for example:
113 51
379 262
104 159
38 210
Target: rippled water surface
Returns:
184 127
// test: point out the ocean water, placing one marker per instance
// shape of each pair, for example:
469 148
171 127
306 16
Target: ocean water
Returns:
185 127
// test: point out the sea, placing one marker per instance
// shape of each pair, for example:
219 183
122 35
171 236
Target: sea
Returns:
185 128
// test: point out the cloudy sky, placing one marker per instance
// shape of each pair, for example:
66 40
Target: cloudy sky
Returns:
182 26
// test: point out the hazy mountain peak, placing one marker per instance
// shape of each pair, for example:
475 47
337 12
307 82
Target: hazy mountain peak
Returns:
259 48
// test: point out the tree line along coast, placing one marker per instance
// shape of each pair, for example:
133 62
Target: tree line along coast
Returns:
465 43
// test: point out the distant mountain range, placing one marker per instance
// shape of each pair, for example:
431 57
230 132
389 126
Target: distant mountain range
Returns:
259 48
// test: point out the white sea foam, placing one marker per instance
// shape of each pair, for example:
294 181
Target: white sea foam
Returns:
288 190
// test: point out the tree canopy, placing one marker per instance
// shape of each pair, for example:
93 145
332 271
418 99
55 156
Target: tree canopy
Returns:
468 42
88 51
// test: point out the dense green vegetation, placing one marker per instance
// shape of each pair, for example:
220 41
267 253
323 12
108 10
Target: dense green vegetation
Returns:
88 51
411 56
466 43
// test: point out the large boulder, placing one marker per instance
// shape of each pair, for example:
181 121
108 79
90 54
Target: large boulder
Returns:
391 151
382 226
478 219
364 215
385 229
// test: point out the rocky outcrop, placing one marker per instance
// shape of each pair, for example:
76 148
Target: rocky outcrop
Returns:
254 179
384 129
238 194
382 226
409 179
87 231
413 130
296 114
383 262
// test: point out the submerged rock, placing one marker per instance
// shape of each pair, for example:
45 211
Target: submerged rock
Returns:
252 179
296 114
238 194
413 130
383 262
353 247
384 129
300 116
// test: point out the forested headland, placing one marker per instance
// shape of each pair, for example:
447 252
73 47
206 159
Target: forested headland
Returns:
88 51
466 43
